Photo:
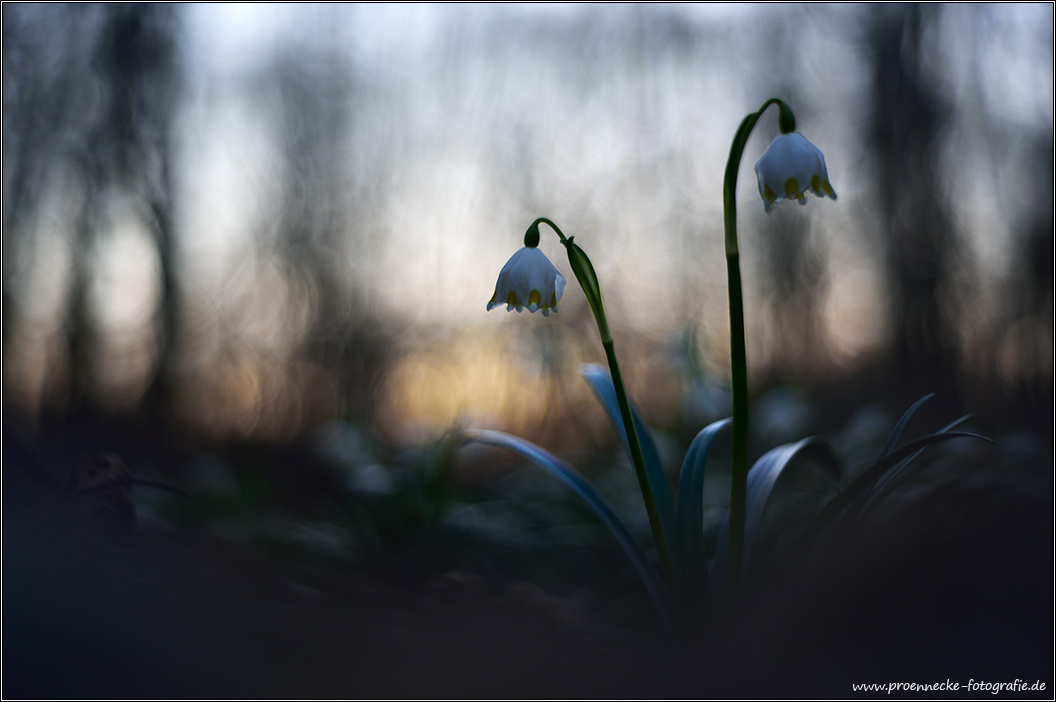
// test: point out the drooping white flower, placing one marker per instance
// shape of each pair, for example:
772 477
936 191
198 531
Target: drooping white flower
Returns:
790 168
529 280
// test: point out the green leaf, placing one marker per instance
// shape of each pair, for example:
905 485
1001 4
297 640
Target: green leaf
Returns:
690 511
588 281
762 478
594 499
600 382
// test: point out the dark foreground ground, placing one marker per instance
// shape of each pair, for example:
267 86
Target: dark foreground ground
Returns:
958 587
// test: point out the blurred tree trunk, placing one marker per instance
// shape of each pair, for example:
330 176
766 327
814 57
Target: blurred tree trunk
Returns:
127 150
918 231
138 60
37 127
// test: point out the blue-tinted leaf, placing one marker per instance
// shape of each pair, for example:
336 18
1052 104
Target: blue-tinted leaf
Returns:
601 384
900 426
764 474
886 479
762 477
690 511
867 478
594 499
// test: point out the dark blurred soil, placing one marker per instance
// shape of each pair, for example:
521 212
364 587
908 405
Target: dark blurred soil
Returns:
161 616
96 605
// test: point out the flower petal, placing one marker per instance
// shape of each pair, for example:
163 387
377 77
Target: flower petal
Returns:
529 278
790 168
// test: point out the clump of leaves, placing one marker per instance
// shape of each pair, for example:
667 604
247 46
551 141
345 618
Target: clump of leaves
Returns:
699 580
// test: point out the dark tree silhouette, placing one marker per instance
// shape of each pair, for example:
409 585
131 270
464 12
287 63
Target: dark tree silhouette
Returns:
94 93
908 119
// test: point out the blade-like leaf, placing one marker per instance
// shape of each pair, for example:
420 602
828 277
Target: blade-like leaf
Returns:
601 383
900 427
762 478
886 478
867 478
690 511
764 474
594 499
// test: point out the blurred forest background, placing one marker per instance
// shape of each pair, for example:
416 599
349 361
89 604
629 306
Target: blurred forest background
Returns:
246 221
274 230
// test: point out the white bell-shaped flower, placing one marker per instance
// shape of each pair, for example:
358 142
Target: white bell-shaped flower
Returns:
790 168
529 280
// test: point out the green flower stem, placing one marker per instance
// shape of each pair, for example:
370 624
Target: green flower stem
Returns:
738 352
588 280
